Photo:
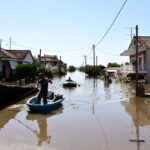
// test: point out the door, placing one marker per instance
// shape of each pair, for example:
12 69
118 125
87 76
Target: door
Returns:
4 71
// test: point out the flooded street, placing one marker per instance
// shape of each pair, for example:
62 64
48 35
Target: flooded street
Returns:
94 116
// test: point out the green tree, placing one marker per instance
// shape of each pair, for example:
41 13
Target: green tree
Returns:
71 68
113 65
91 70
62 71
42 69
127 63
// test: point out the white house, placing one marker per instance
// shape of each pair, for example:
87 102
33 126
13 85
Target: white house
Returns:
143 57
9 59
113 70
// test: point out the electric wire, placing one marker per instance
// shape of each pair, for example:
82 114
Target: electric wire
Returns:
67 50
103 37
108 53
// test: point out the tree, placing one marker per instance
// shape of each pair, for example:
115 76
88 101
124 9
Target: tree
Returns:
113 65
127 63
102 67
42 69
91 70
71 68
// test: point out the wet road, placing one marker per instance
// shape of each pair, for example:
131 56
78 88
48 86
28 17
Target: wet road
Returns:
94 116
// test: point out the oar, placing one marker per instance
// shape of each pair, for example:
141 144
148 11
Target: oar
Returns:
21 97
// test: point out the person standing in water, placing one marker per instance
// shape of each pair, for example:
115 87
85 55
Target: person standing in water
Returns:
43 82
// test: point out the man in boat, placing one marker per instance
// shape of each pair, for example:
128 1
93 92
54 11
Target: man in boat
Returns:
69 79
43 81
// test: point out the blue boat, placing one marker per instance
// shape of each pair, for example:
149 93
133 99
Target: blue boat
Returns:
52 104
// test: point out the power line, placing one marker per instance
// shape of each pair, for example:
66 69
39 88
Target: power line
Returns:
67 50
90 52
70 50
111 24
26 46
108 53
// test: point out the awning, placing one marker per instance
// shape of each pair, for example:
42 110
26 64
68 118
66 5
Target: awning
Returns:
13 64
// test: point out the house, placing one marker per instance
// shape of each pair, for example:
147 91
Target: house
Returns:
9 59
143 58
52 62
113 70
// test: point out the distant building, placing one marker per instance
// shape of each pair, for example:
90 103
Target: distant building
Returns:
143 58
9 59
113 70
52 62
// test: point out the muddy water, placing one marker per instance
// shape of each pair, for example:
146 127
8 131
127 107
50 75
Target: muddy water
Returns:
94 116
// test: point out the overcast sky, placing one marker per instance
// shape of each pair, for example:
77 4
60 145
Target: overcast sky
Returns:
69 28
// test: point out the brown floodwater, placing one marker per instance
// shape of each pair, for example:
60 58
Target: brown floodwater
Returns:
94 116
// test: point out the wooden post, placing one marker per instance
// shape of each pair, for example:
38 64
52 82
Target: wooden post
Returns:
94 58
40 56
85 59
44 60
10 43
0 44
137 76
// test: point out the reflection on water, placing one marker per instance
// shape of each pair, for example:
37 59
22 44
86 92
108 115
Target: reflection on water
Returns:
142 107
36 116
41 120
139 110
94 116
42 134
6 116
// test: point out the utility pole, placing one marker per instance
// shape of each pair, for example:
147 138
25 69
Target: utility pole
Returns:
131 32
44 60
85 60
10 43
40 55
137 76
94 58
0 44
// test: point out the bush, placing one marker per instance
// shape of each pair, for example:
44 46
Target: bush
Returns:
26 70
62 71
127 63
91 70
113 65
71 69
43 69
82 69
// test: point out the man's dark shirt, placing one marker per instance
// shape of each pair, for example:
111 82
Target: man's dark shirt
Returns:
44 85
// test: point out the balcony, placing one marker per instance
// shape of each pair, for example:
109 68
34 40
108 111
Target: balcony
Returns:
132 68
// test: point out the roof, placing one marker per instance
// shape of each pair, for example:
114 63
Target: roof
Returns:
14 54
5 54
143 45
49 58
19 54
112 68
144 41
